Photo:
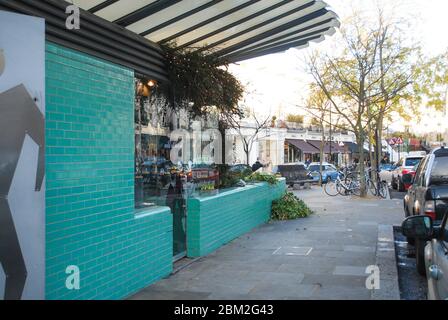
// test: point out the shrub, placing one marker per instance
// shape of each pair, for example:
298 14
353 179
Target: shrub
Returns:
262 177
289 207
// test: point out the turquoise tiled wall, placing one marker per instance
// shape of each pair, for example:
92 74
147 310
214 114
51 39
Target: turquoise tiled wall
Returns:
91 221
216 220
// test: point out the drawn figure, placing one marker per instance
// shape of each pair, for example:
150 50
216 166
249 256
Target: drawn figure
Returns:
19 116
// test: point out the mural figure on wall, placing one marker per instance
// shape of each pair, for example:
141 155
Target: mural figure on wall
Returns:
19 116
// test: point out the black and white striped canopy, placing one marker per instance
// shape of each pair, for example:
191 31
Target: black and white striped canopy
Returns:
234 29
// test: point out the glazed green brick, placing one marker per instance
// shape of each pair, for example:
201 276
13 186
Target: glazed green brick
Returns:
214 221
91 221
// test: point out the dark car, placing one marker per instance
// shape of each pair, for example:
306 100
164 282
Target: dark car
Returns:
428 194
435 252
295 174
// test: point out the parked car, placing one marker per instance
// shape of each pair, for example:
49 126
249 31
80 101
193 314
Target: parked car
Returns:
404 166
387 167
428 194
386 171
240 168
294 174
435 252
329 172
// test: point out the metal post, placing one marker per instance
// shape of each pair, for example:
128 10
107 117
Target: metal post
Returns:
331 157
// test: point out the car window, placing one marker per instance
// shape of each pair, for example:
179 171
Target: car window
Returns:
314 168
419 175
439 171
411 162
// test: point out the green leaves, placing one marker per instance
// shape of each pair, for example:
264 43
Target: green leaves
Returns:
289 207
200 80
262 177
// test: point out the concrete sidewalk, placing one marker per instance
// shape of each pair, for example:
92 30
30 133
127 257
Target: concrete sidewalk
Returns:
321 257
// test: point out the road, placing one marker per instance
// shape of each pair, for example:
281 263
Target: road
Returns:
412 285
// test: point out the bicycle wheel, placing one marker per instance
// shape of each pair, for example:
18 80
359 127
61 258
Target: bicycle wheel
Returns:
382 192
372 188
331 188
355 188
342 190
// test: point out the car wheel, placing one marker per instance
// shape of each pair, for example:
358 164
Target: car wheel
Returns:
420 256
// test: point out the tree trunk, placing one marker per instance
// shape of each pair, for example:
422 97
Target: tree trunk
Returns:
321 155
374 156
369 136
222 131
362 178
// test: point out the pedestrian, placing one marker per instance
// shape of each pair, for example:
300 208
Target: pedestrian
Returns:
307 162
257 165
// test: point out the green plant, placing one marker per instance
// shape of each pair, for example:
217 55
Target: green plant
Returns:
199 79
262 177
228 178
207 187
289 207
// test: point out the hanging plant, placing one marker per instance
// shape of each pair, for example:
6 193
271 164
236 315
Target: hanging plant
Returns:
199 80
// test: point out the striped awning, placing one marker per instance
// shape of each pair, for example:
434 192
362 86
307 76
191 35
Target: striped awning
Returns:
234 29
335 148
303 146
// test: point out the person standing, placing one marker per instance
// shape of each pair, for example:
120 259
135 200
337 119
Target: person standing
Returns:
257 165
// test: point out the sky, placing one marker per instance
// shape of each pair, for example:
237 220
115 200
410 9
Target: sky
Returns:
278 82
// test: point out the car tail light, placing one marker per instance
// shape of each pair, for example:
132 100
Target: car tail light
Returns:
430 209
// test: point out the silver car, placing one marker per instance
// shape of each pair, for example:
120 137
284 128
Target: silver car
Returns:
436 252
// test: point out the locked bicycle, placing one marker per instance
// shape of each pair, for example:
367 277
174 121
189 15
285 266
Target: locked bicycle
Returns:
344 185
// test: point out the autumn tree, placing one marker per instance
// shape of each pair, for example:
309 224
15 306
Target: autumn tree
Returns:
367 79
318 106
433 85
395 71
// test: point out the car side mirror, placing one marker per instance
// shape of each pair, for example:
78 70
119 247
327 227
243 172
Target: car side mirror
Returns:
407 178
419 227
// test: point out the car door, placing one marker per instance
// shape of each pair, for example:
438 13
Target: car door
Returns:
438 270
396 170
413 189
419 187
330 170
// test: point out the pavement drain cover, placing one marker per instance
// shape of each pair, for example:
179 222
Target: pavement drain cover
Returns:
293 251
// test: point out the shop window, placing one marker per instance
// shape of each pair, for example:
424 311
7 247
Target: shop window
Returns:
160 179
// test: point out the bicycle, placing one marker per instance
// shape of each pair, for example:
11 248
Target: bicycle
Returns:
380 189
341 187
